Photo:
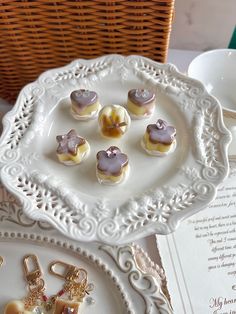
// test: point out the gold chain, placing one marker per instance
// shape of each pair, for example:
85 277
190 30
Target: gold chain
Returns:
32 298
36 284
75 290
76 280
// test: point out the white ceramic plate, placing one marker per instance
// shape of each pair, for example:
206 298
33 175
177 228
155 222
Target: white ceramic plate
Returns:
121 284
159 192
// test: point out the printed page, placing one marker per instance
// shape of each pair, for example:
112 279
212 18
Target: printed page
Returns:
200 257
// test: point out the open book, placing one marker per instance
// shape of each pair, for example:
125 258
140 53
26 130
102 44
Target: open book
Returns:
200 257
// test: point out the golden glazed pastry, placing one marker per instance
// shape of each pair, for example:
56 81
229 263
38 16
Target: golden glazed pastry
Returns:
113 121
159 139
72 149
84 104
112 166
141 103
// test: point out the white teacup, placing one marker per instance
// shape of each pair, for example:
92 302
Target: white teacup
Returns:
216 69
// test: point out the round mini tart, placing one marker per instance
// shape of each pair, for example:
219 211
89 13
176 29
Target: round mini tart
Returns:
113 121
72 149
112 166
141 103
84 104
159 139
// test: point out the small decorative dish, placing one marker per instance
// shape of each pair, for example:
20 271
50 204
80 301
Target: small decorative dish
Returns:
121 283
159 192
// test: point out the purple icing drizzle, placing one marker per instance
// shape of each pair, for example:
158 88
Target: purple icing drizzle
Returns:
161 132
141 97
69 143
83 98
111 161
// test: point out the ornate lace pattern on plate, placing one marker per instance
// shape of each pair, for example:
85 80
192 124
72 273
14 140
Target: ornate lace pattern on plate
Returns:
112 261
158 210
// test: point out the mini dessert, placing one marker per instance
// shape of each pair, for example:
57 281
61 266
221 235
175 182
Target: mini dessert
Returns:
72 149
114 121
17 306
112 166
159 139
141 103
84 104
66 307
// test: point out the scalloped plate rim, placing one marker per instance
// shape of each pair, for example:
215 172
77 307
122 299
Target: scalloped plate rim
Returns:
225 140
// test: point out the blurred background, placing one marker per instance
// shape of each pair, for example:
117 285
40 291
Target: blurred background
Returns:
203 24
37 35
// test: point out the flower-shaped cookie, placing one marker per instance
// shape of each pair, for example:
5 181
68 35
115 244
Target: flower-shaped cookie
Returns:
84 104
161 132
159 138
72 149
112 165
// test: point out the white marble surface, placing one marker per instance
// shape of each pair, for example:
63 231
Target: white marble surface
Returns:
203 24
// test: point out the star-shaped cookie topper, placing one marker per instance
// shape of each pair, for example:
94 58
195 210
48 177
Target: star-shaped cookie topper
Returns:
69 143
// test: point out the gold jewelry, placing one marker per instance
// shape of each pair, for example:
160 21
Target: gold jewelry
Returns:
75 288
34 279
76 280
34 301
36 285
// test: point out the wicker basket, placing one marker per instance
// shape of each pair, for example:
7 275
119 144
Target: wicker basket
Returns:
37 35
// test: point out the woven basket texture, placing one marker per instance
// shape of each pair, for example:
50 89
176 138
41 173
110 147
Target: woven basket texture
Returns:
37 35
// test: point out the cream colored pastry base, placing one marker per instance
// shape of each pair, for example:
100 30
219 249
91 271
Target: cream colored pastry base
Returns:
113 180
90 112
141 117
71 160
156 152
140 112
